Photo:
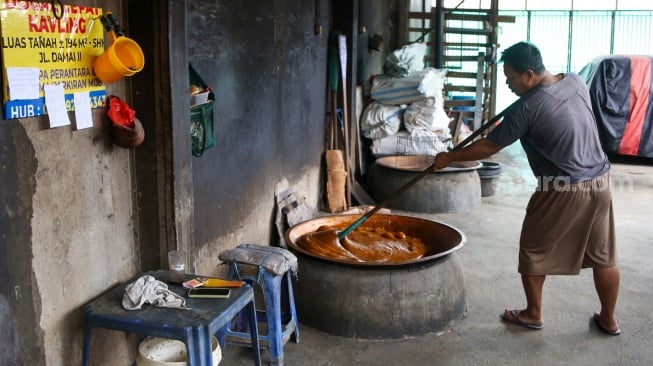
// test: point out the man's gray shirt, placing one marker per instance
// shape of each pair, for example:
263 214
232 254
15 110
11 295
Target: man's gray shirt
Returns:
556 126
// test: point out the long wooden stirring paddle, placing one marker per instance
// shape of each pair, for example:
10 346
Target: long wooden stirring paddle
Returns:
419 176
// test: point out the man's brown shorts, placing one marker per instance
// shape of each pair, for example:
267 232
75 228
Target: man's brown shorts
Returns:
568 227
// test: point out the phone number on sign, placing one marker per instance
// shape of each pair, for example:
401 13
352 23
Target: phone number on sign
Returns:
97 101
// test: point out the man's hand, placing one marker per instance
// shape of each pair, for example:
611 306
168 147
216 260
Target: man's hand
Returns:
442 160
479 149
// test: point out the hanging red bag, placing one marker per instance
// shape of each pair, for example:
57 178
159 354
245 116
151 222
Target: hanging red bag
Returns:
126 130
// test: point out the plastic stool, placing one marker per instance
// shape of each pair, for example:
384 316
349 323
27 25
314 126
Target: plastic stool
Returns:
271 268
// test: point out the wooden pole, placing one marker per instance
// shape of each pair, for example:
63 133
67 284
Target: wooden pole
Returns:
342 47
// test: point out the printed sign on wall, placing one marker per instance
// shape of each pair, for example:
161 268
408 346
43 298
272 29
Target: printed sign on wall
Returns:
40 49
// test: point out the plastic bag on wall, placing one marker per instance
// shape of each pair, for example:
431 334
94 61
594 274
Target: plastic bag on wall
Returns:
201 117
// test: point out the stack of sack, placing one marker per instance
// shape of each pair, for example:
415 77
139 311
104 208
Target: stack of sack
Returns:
406 115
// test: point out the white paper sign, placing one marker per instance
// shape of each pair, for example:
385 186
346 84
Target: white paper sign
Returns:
23 83
56 105
83 117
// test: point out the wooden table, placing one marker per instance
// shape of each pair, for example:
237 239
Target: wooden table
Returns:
195 327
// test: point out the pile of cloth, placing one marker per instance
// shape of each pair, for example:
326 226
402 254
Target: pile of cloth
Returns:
148 290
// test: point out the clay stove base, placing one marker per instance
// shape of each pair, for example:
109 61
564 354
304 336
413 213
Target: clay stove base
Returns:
456 191
380 303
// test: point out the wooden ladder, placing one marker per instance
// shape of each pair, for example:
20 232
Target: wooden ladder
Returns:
469 53
467 50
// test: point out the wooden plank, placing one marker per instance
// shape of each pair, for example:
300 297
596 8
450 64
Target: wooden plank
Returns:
459 88
460 58
455 59
464 75
419 15
468 11
479 92
468 17
336 181
505 19
454 75
467 44
476 32
464 88
428 16
459 103
456 128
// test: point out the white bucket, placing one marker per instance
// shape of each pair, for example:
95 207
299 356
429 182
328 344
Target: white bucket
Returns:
169 352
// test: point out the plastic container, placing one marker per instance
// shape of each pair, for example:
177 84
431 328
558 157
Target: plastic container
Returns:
489 174
489 169
199 98
169 352
126 137
123 57
488 187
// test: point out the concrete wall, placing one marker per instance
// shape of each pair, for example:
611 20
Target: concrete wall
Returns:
381 20
67 231
80 215
268 71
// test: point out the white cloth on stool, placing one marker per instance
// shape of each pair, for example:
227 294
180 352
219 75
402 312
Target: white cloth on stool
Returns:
147 289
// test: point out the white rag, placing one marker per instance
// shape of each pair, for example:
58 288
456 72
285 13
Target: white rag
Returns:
147 289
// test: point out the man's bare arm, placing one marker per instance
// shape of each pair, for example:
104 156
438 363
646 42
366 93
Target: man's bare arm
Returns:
478 150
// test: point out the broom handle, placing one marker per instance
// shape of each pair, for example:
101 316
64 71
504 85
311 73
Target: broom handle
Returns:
332 55
342 48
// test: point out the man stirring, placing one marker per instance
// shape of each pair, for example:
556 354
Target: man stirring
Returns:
569 221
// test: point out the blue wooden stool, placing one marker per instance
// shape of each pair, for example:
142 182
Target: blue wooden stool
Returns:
271 268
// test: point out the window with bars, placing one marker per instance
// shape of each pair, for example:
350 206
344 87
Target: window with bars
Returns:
570 33
570 39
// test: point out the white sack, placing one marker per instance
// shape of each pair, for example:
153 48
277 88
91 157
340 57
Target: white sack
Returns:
418 85
421 142
387 145
405 143
406 60
380 120
426 115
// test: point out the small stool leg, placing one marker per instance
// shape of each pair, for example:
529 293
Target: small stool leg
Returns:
293 311
239 323
272 293
253 326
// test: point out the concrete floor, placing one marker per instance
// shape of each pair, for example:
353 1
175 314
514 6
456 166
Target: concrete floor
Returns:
492 284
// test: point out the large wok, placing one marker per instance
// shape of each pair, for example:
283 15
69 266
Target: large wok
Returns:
441 239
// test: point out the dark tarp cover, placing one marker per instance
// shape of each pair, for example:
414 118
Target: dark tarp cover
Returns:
620 90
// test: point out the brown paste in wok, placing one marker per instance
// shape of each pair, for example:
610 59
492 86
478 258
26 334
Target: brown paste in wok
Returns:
365 244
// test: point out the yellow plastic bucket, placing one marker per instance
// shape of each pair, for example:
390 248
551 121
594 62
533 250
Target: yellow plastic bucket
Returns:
123 57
